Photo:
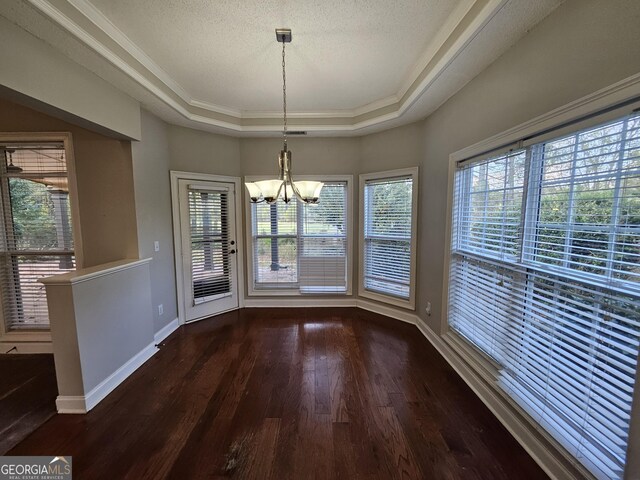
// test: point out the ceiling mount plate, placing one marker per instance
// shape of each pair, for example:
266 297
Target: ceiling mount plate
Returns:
283 35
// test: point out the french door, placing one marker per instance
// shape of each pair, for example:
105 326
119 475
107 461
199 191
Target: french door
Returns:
208 248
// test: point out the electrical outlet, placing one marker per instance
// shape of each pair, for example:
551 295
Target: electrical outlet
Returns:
160 309
156 246
428 309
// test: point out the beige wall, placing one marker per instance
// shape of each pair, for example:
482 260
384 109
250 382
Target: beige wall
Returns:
153 208
400 147
37 70
195 151
309 155
105 184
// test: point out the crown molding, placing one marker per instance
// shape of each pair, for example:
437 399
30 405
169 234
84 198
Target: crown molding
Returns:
91 27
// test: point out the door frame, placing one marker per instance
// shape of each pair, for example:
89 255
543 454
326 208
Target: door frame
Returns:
175 177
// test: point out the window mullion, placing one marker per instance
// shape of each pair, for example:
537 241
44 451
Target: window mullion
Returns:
617 198
568 241
465 204
503 219
485 202
299 233
534 168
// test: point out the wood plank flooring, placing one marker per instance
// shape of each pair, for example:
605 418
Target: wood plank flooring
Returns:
289 394
28 393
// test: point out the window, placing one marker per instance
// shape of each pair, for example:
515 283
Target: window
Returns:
388 240
545 279
36 239
302 248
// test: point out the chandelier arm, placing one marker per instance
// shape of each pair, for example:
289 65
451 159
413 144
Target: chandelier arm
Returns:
279 190
297 192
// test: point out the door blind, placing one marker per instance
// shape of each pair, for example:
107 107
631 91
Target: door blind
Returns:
210 269
387 236
37 239
550 291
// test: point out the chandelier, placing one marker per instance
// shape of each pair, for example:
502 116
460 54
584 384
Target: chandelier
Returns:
284 187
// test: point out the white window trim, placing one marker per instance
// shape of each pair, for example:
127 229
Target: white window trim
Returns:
39 340
535 130
294 292
380 297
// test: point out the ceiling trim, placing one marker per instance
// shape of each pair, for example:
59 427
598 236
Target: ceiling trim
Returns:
85 22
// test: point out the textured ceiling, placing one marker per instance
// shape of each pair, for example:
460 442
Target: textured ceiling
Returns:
344 54
353 67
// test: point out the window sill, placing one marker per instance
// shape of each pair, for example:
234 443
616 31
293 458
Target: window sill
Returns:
26 336
299 292
409 304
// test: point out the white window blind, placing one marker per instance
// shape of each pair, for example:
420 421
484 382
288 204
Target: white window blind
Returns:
36 238
387 235
588 202
551 291
323 243
489 220
302 247
210 269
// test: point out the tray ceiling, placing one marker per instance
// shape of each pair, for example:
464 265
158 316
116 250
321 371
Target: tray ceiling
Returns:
353 67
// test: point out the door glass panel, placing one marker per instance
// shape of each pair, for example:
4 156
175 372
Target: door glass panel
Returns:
209 236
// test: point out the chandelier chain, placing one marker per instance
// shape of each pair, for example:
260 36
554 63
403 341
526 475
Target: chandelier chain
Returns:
284 96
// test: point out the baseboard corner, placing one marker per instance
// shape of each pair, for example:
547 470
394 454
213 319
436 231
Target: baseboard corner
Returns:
165 331
84 403
407 316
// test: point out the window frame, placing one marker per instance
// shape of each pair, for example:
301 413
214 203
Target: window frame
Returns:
8 337
598 108
409 303
294 290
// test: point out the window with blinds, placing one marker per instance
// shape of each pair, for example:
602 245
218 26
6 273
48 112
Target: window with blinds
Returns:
37 239
545 279
388 226
302 247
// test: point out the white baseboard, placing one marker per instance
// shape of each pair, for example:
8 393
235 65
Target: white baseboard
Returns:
167 330
26 347
82 404
389 311
547 457
407 316
299 302
71 404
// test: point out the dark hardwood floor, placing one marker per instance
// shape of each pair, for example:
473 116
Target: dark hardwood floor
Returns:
27 396
289 394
